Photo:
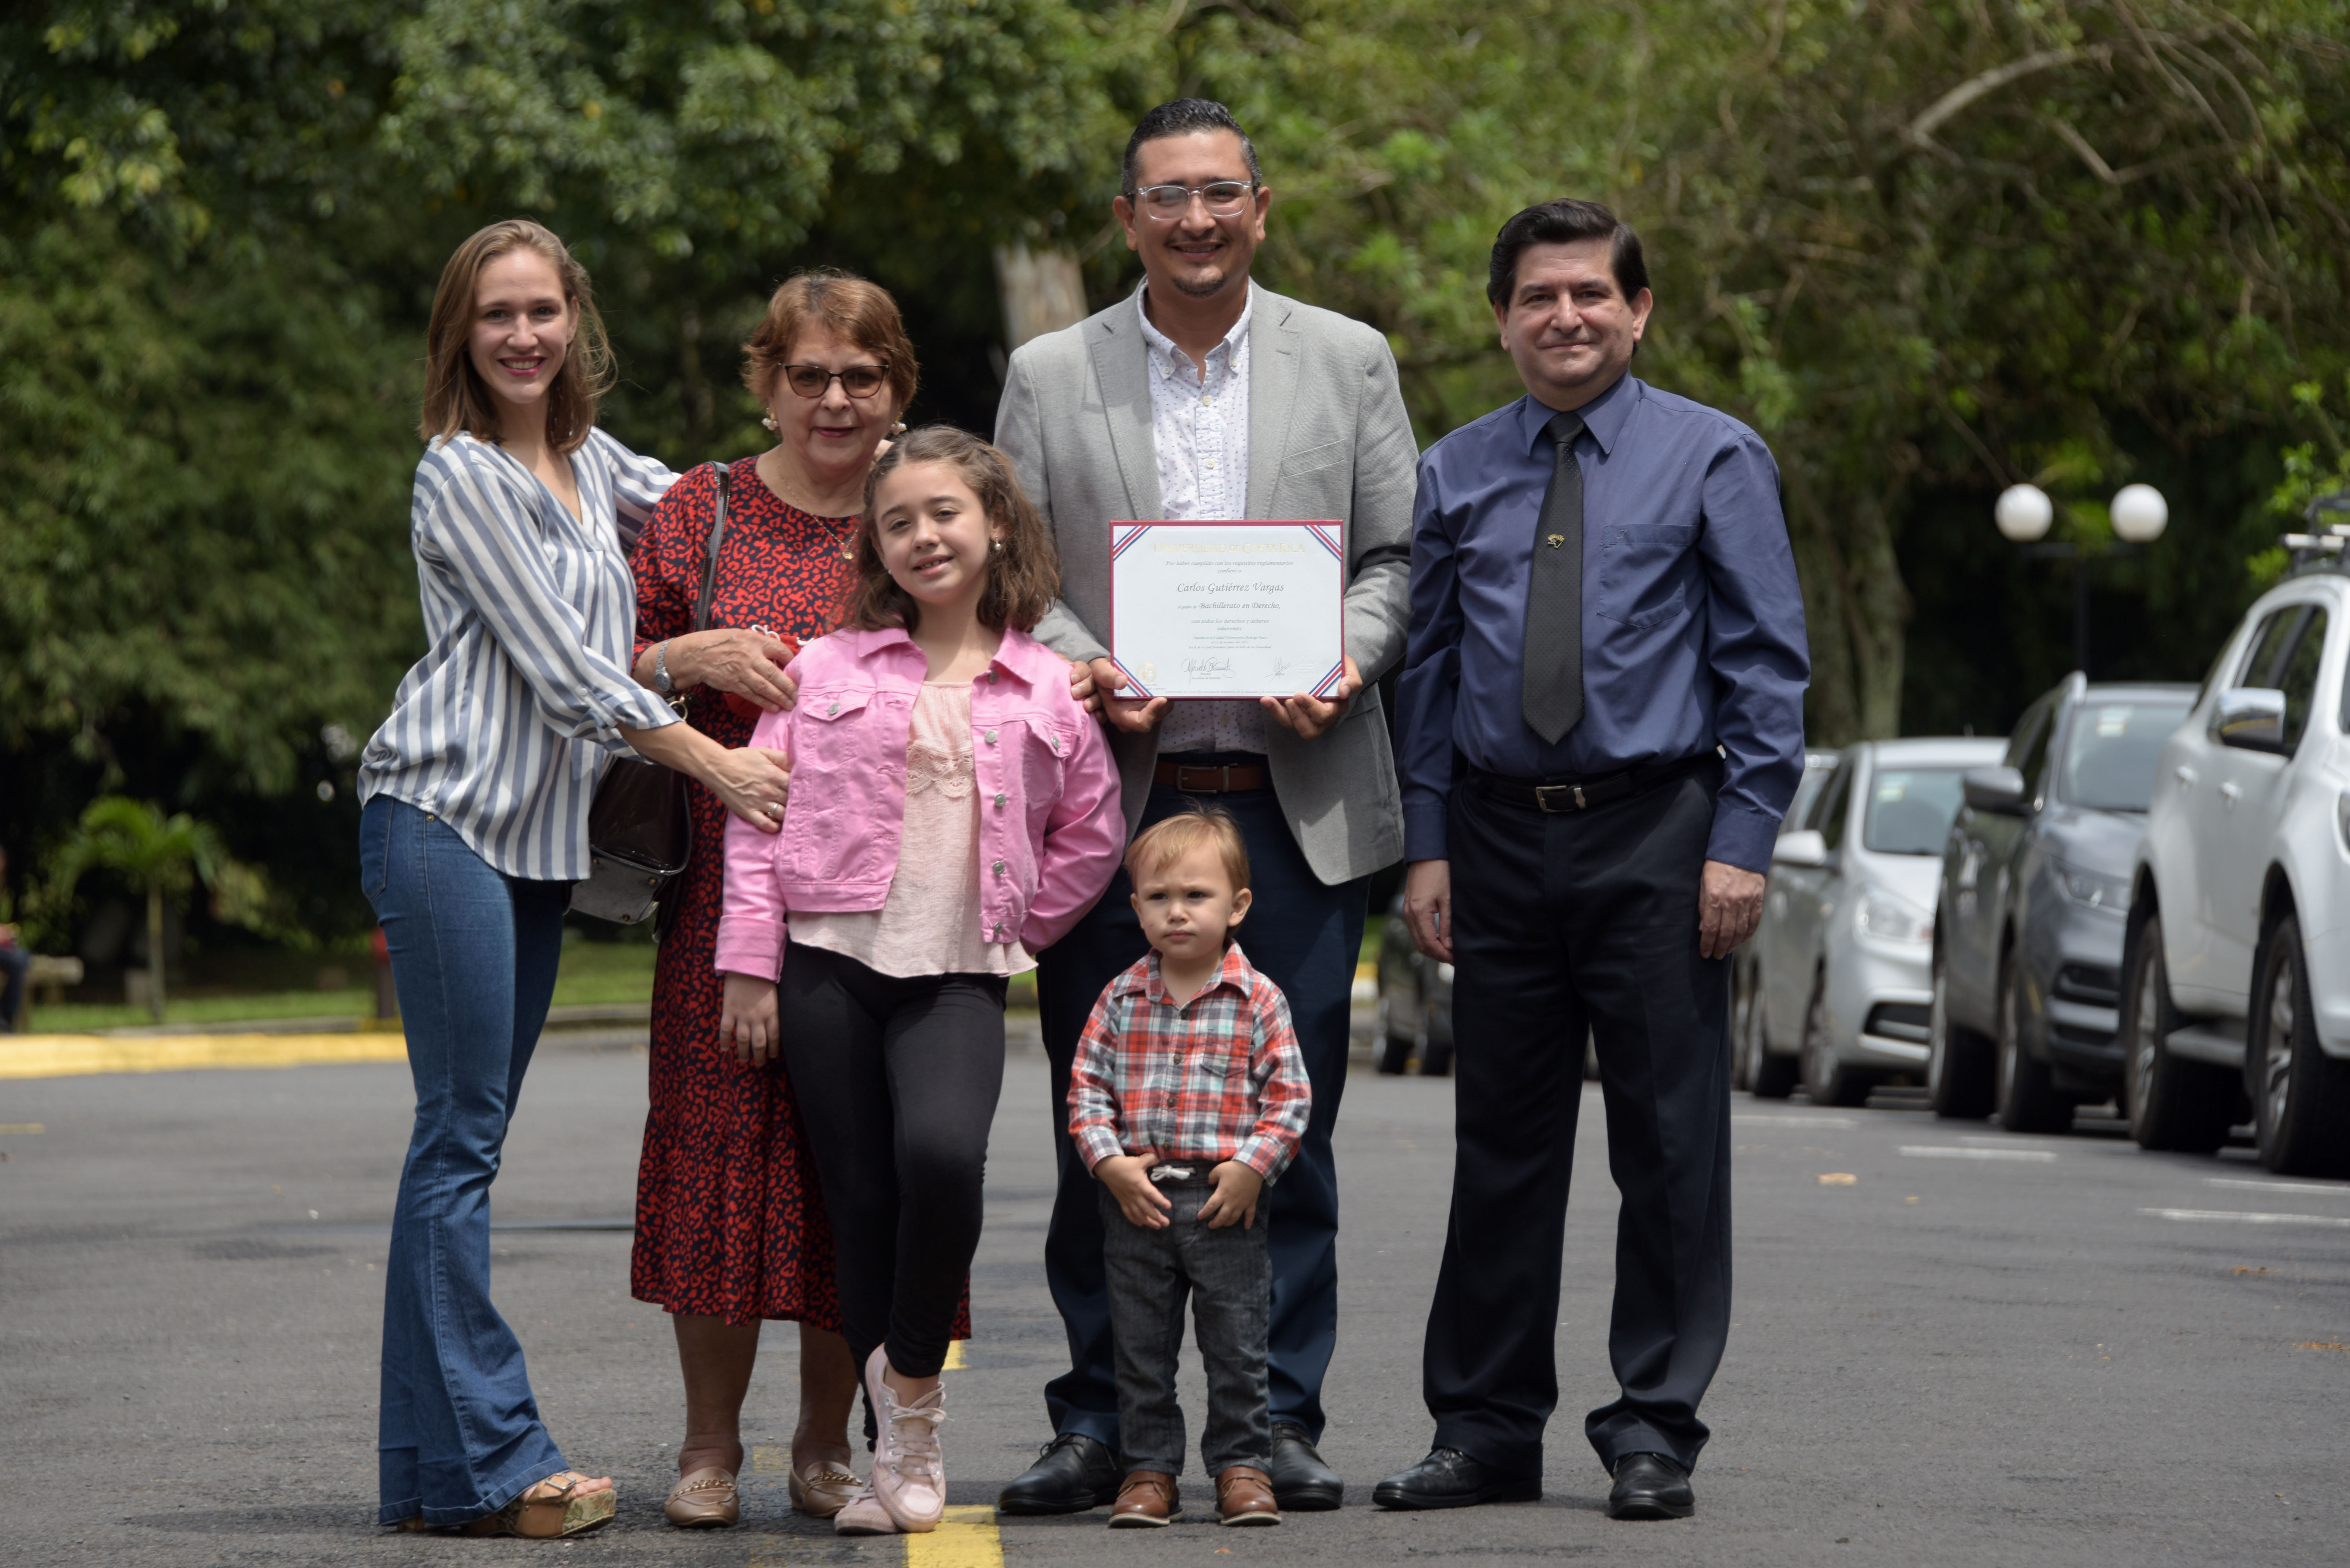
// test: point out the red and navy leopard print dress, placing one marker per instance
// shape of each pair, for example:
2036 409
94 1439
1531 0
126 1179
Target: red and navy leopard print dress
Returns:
730 1212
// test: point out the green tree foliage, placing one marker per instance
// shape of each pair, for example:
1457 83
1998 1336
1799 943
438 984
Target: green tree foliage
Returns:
223 222
1927 247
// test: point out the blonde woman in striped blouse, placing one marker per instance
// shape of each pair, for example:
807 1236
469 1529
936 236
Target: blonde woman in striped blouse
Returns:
474 824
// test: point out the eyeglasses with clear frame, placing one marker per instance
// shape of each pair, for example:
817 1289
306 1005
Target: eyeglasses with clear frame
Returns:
1225 199
856 381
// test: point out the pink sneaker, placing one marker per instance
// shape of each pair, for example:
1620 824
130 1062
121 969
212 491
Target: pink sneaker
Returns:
863 1514
910 1474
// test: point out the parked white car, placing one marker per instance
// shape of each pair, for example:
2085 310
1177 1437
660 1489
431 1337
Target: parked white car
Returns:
1845 953
2237 968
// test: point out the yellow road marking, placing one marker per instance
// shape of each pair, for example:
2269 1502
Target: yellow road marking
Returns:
966 1538
954 1361
78 1055
775 1457
22 1128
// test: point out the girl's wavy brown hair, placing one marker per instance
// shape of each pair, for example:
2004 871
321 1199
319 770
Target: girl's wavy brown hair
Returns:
1022 578
455 398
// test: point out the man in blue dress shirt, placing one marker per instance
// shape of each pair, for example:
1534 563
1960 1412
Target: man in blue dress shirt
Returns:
1600 725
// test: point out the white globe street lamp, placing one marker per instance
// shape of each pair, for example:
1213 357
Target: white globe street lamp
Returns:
2139 513
2025 512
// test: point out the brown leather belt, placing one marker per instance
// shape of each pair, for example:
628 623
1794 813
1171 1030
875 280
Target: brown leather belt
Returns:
1211 781
1582 795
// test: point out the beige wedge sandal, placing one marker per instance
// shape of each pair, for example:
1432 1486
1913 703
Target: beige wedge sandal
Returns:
539 1514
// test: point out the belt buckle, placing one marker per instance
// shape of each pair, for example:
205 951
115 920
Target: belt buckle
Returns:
1223 775
1543 794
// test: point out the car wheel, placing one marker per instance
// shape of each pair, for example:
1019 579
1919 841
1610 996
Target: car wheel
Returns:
2301 1109
2170 1103
1959 1082
1768 1077
1826 1078
1395 1049
2025 1101
1741 1025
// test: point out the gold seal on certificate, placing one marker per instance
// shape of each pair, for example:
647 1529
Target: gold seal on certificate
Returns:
1228 610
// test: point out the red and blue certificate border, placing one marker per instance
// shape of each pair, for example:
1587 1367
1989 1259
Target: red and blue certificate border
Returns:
1331 534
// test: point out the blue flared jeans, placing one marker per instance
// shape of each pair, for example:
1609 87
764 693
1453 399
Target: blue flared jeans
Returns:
473 954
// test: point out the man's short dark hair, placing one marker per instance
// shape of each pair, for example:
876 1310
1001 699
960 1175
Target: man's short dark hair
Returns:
1562 222
1181 117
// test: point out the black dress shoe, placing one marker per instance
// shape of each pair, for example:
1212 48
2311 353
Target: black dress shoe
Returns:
1302 1483
1451 1479
1650 1486
1072 1474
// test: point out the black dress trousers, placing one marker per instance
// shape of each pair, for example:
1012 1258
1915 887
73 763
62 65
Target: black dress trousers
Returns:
1563 921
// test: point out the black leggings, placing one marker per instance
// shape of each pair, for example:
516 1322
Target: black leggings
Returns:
896 1081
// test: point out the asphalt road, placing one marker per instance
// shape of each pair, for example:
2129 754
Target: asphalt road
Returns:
1977 1349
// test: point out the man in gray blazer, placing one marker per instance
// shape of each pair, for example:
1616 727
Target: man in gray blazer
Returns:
1202 396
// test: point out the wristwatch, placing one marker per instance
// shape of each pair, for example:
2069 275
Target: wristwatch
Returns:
660 669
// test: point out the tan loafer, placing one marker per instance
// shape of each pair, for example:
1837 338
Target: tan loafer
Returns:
1244 1496
706 1498
1147 1500
821 1489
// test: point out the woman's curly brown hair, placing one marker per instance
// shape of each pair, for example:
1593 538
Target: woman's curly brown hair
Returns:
1024 578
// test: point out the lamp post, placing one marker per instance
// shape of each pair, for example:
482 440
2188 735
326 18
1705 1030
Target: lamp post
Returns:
2023 514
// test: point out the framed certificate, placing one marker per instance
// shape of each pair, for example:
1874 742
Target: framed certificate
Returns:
1238 610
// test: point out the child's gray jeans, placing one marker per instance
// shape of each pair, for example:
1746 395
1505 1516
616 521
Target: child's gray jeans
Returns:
1226 1274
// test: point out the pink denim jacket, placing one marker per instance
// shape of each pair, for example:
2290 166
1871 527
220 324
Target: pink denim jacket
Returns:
1050 826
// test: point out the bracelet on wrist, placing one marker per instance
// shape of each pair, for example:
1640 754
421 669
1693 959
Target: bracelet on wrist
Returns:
662 682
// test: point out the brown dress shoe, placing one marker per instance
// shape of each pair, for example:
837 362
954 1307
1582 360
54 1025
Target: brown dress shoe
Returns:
1244 1496
1147 1500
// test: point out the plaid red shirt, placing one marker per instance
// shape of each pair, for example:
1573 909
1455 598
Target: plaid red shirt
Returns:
1217 1078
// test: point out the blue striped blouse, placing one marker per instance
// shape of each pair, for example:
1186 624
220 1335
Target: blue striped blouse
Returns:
503 728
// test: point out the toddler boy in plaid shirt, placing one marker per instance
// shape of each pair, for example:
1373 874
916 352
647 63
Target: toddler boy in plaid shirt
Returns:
1186 1097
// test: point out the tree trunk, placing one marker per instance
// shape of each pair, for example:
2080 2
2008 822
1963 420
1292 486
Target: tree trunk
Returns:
1855 609
1041 291
155 949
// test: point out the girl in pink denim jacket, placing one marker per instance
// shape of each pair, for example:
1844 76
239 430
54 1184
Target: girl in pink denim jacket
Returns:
952 809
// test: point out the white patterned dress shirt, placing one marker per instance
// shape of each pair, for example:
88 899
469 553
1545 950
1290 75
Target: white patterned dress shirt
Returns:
1199 427
503 728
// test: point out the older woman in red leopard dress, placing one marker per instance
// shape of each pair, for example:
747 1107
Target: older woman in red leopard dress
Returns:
731 1226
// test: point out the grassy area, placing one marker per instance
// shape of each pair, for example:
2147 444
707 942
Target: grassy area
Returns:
593 974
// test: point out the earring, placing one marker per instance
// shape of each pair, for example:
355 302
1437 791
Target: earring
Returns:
898 428
999 547
769 422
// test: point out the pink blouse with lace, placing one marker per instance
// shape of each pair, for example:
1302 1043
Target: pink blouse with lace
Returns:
931 923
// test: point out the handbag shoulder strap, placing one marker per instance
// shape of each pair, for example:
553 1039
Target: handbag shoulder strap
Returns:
710 554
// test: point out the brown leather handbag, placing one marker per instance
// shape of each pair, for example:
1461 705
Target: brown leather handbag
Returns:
640 831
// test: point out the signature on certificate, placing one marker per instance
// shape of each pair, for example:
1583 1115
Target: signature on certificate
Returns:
1280 667
1218 664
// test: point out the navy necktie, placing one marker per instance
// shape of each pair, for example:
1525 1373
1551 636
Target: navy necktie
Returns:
1550 693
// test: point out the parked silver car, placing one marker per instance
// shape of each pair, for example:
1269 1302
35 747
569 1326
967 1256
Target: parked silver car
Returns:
1746 961
1846 947
2035 891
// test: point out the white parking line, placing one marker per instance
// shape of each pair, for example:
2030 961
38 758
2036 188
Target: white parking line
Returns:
2001 1143
2337 1189
1950 1151
2329 1220
1794 1121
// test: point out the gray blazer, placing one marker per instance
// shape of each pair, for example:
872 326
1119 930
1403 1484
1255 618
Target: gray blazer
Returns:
1328 436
